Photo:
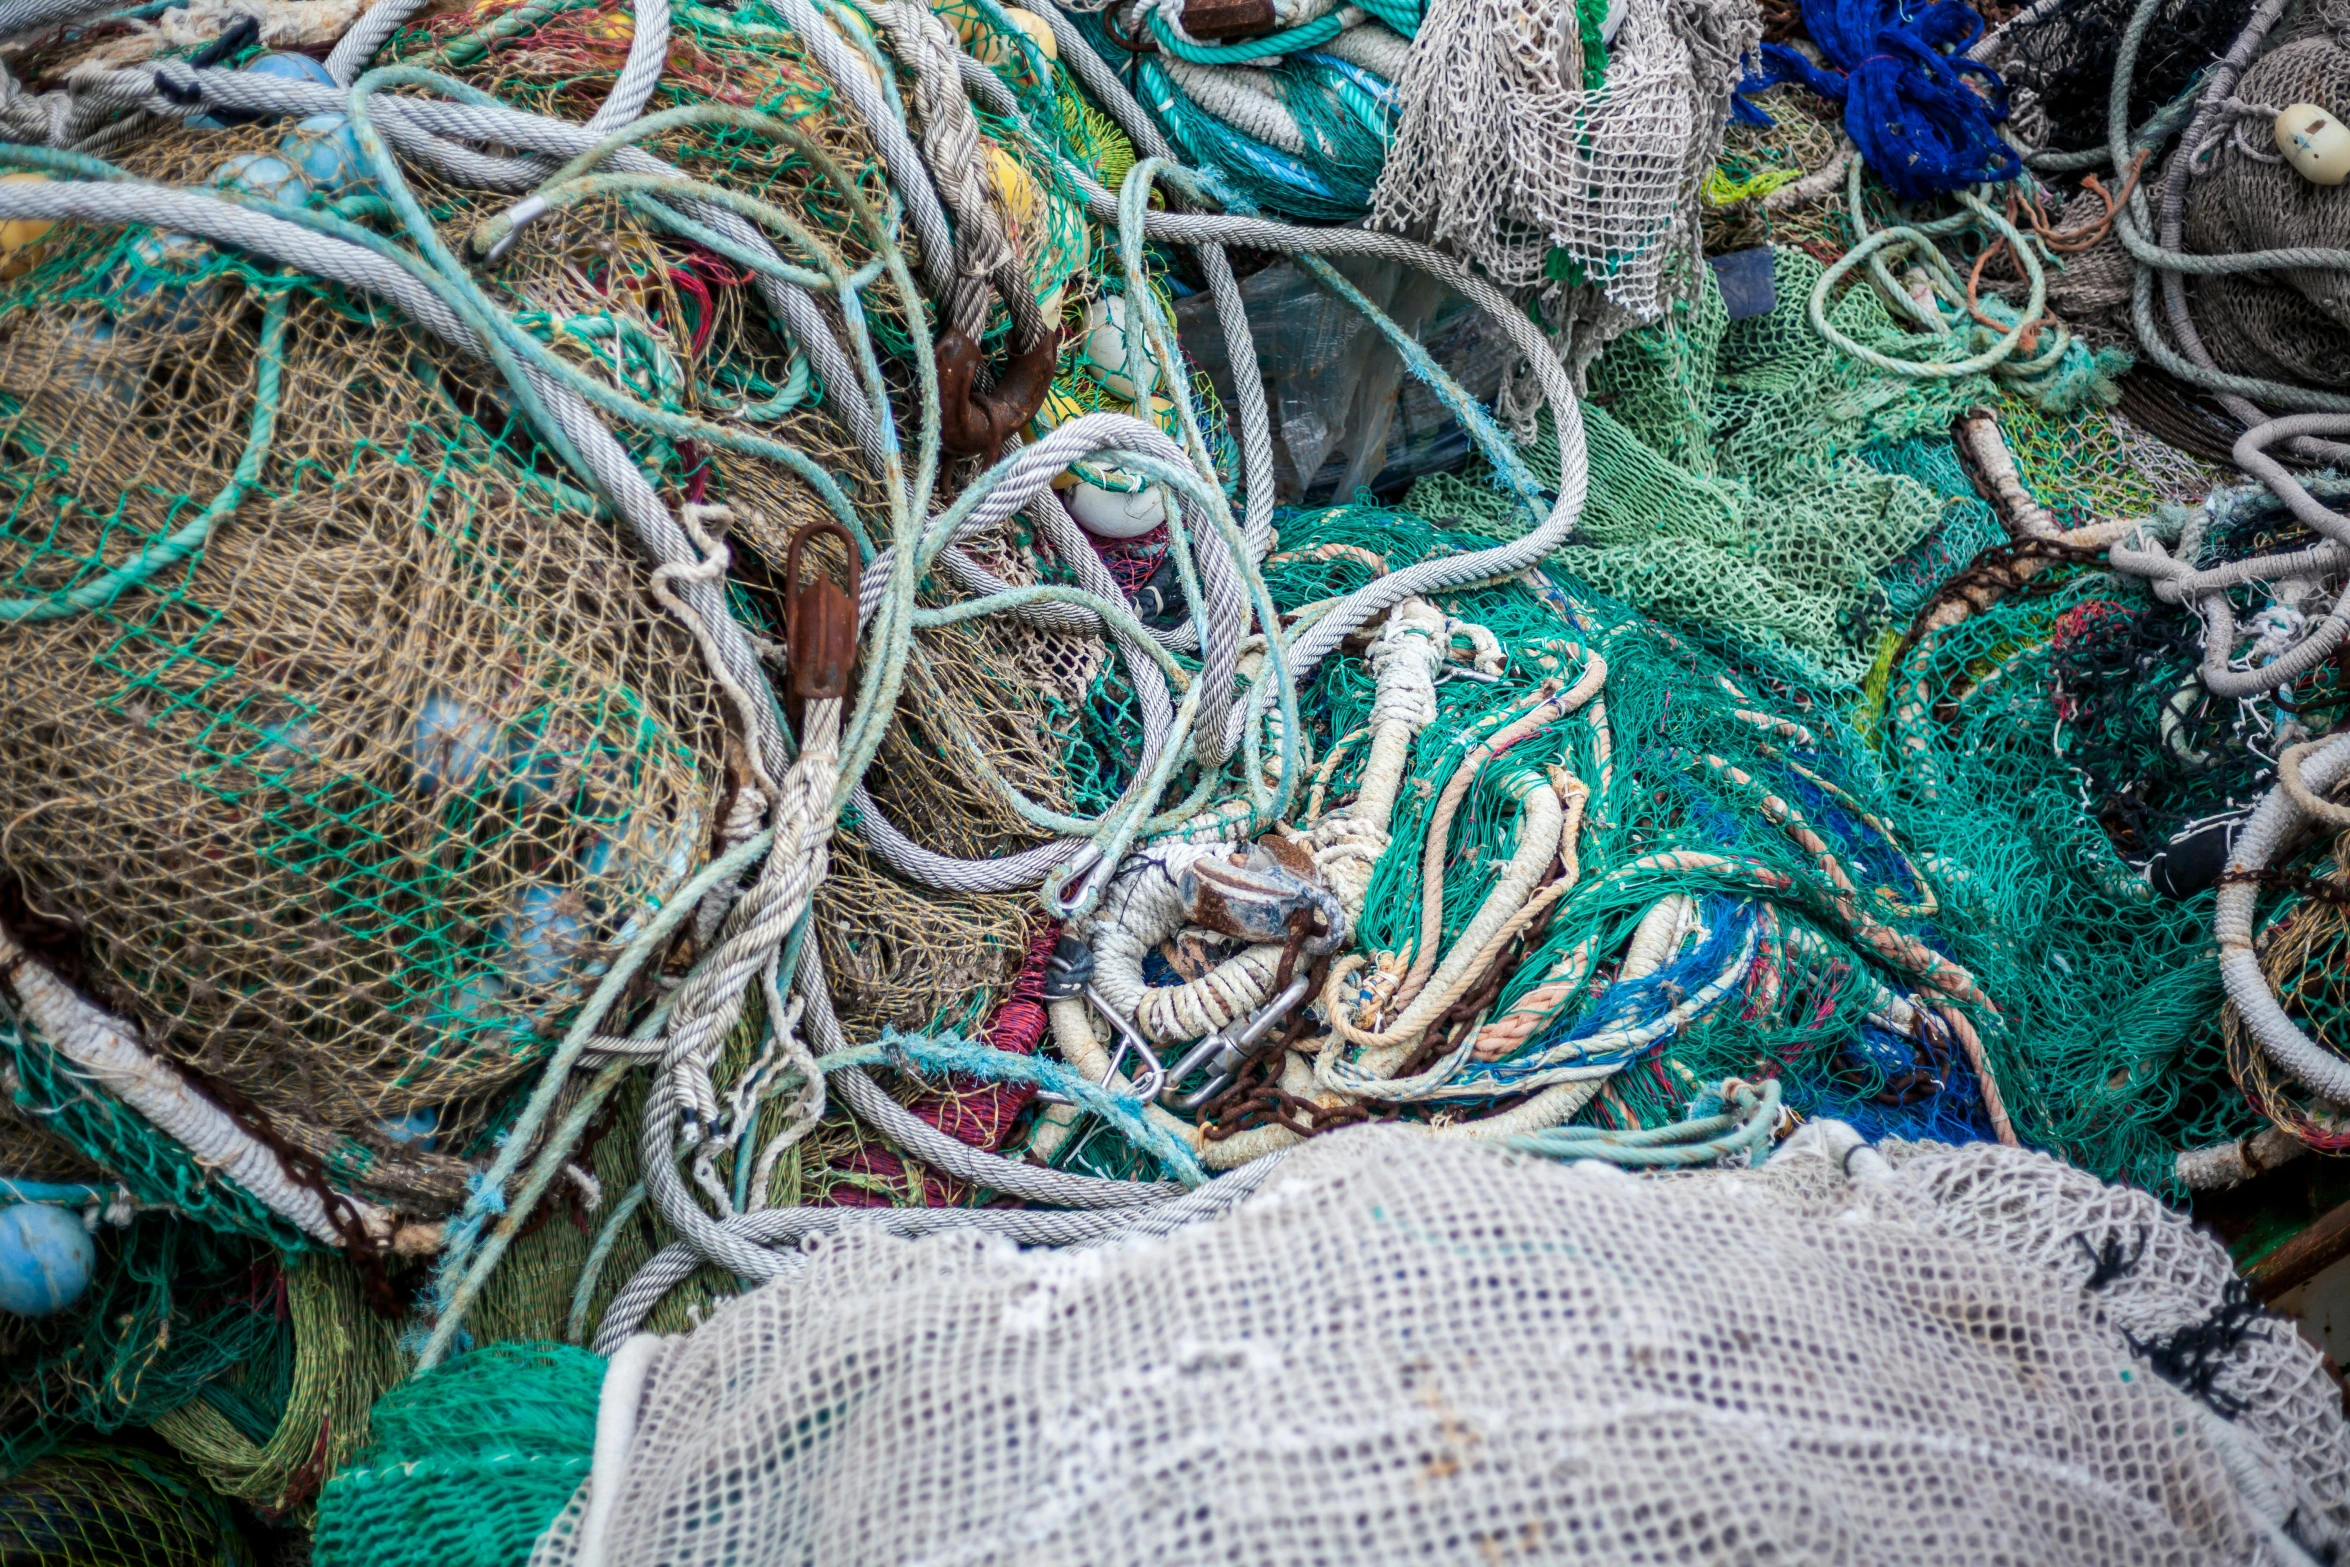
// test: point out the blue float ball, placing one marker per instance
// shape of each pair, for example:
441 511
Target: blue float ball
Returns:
326 151
265 175
418 1129
544 938
46 1259
451 744
293 67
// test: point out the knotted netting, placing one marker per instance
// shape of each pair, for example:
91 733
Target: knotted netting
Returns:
1507 148
1398 1346
170 1307
349 742
2291 323
1728 492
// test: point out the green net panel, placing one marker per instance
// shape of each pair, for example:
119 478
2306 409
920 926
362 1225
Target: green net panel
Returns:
2094 465
469 1463
1952 825
270 1429
94 1506
1727 494
171 1307
2112 989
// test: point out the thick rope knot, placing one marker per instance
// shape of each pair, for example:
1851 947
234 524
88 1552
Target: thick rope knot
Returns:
710 1001
1405 658
1254 892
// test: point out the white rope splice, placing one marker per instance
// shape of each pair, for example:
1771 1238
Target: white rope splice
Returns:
108 1051
1347 844
1158 892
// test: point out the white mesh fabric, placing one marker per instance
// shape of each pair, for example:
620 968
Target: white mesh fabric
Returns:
1405 1349
1501 151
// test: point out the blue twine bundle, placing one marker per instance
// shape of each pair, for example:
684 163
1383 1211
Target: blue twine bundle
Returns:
1923 116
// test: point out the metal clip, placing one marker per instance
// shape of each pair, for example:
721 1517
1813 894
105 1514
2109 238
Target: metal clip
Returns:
1225 1054
820 621
1154 1071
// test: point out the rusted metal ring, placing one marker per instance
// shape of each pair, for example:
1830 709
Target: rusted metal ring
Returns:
1139 41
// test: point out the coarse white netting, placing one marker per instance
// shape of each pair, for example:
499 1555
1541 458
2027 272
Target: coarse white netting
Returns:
1504 151
1406 1349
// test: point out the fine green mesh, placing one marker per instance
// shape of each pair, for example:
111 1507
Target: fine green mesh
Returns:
93 1506
1726 490
2111 991
2094 465
469 1463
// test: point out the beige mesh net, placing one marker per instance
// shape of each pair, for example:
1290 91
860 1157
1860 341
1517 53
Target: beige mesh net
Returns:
1407 1349
351 803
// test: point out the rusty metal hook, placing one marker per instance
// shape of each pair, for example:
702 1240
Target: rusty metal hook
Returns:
820 621
974 423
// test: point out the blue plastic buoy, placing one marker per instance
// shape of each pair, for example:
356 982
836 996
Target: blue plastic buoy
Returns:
46 1259
326 151
263 174
451 745
293 67
544 938
418 1129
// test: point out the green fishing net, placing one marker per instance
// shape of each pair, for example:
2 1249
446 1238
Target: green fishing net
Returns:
171 1306
2112 997
468 1464
1727 490
1954 827
94 1506
345 744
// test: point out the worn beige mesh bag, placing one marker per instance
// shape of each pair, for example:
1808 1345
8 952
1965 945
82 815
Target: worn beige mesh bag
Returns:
1401 1348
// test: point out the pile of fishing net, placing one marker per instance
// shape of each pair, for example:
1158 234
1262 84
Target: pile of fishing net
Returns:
92 1506
651 651
1390 1344
2209 237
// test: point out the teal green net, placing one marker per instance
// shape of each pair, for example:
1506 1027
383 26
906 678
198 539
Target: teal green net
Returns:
1728 488
171 1306
469 1464
1949 836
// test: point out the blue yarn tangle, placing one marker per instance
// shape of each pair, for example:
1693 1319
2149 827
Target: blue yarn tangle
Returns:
1923 116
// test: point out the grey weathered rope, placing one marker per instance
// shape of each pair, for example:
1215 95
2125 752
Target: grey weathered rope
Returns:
2176 581
958 166
1240 346
926 1143
797 1226
2133 221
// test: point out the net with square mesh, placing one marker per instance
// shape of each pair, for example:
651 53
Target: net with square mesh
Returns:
468 1464
1401 1348
1727 487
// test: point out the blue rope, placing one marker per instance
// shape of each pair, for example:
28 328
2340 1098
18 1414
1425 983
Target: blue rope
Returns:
1925 118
